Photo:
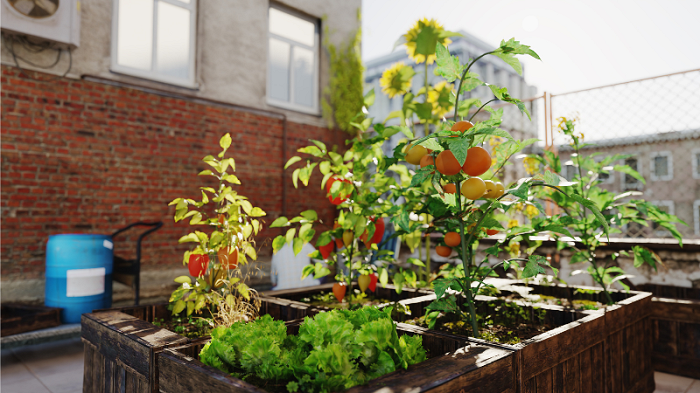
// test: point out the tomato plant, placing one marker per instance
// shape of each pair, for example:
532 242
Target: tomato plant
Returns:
213 263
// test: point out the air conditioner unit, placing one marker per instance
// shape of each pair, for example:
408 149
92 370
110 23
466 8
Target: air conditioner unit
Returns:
57 21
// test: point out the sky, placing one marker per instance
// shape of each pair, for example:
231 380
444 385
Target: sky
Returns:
582 44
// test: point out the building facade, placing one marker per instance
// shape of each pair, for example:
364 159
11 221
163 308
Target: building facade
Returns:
118 126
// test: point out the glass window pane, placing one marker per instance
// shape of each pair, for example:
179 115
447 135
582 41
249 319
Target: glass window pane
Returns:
279 70
173 50
661 166
291 27
135 34
303 64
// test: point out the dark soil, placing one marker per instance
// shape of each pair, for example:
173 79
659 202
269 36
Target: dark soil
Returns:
192 327
354 301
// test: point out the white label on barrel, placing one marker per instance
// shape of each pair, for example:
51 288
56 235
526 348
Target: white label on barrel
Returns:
85 282
107 244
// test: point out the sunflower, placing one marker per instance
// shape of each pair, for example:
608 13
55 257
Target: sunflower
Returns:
422 38
440 96
396 80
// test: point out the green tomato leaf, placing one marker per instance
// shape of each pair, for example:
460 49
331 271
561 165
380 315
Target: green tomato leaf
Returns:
279 222
225 141
448 66
292 161
297 245
278 243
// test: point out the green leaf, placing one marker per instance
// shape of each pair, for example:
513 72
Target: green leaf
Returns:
323 239
243 290
179 306
532 266
279 222
629 171
312 150
206 172
257 212
415 261
292 161
297 245
308 269
225 141
432 144
594 209
295 177
441 285
278 243
321 271
448 66
290 234
422 175
183 279
324 167
369 98
309 215
459 147
320 144
511 60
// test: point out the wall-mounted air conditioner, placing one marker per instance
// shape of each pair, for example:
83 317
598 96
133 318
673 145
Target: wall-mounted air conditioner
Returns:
57 21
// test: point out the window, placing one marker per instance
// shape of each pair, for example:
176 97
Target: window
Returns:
629 182
569 170
292 76
695 156
155 39
607 176
661 166
696 216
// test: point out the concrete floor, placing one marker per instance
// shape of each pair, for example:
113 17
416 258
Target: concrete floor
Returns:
57 367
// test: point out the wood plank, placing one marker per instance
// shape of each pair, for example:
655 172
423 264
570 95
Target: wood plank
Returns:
20 318
685 366
614 349
598 372
544 381
676 310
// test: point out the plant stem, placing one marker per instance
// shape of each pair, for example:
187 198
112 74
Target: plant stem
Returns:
482 107
426 131
459 88
466 263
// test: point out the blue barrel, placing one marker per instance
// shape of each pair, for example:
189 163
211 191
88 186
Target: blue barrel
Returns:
78 274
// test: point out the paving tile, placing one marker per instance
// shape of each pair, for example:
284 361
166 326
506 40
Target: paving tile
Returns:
67 382
695 387
669 383
32 385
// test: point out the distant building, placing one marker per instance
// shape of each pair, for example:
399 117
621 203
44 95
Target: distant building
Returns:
672 176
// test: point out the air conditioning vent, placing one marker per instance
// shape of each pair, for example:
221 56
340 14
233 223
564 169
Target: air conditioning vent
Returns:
57 21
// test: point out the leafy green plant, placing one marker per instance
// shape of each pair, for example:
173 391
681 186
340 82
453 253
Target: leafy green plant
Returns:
355 181
214 261
611 211
343 97
333 351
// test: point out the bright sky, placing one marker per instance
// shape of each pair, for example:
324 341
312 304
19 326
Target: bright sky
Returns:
582 43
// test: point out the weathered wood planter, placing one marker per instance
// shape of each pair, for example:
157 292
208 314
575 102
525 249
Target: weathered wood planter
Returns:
454 365
675 321
286 304
121 345
588 351
19 318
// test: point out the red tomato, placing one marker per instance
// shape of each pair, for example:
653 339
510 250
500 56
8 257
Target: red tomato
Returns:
373 282
326 250
198 264
337 200
339 289
491 232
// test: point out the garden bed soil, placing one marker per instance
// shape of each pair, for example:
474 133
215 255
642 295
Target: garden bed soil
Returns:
675 321
288 304
21 318
453 365
121 345
606 350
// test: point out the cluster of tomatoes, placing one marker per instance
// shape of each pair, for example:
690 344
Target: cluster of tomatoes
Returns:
477 163
227 256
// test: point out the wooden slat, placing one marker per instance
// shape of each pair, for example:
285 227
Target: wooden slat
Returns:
18 318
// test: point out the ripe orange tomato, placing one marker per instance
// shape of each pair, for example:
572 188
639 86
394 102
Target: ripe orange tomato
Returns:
473 188
427 160
228 259
450 188
447 164
197 264
452 239
339 289
461 126
478 161
415 154
443 251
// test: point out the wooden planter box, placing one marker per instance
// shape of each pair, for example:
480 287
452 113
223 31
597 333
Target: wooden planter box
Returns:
675 321
19 318
121 345
588 351
454 365
286 304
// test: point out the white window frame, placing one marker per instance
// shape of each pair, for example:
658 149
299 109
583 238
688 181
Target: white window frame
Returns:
152 74
316 109
638 184
696 169
696 216
669 158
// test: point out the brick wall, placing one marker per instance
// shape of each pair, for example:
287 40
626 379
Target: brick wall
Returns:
86 157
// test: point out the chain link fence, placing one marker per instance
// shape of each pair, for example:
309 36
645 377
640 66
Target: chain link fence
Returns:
654 120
